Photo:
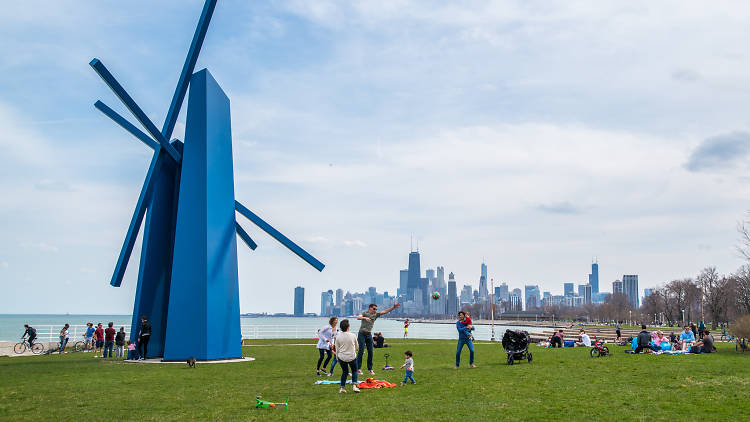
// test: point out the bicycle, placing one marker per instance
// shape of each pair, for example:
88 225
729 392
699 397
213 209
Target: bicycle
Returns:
599 350
24 345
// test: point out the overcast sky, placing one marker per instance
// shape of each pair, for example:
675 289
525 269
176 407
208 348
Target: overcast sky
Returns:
533 135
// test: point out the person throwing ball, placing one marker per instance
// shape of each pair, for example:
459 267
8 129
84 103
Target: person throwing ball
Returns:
364 338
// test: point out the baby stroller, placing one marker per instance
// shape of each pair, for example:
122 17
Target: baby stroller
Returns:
516 345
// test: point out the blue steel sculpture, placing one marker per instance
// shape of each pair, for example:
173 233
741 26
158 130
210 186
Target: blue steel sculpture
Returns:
188 281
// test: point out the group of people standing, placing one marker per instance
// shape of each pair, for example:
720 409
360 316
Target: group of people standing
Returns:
346 349
103 341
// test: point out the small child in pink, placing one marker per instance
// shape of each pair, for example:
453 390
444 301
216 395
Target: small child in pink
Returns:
468 327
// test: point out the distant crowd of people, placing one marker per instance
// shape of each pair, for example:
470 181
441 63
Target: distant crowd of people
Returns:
104 342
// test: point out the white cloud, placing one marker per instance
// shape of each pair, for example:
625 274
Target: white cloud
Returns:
355 243
3 264
40 246
318 239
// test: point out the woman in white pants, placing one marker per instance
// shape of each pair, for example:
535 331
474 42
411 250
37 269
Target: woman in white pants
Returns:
325 338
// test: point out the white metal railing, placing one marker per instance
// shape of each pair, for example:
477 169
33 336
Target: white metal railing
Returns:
253 332
51 333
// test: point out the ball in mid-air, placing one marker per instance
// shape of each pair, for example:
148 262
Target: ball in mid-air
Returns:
436 296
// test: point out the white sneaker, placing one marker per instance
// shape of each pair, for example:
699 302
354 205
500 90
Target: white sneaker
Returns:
359 371
372 372
341 390
355 389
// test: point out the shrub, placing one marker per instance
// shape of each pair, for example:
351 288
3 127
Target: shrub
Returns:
741 327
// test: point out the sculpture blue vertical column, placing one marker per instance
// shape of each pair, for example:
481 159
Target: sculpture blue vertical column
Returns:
155 270
204 317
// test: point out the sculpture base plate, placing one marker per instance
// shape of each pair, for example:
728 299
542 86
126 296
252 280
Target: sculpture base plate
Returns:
160 360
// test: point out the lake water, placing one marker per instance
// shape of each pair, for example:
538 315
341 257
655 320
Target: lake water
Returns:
11 327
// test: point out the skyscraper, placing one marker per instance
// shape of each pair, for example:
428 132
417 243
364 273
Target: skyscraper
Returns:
581 289
568 289
326 303
299 301
466 297
403 281
339 297
630 288
424 287
503 292
533 297
514 301
441 277
483 292
414 275
429 273
587 291
594 278
616 286
452 307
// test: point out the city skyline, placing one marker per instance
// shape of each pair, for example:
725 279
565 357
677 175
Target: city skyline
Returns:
477 145
415 299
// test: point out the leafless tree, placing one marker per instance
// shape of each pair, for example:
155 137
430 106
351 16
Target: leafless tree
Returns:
742 289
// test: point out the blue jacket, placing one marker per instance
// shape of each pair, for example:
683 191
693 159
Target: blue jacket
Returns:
689 336
462 331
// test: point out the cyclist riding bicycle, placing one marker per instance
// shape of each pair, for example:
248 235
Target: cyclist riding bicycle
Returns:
31 332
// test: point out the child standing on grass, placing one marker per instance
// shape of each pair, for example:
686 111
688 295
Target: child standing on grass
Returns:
409 366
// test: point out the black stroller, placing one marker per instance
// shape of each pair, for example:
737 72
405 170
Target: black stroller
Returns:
516 345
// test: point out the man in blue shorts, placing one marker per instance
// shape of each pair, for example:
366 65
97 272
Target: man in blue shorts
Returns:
89 336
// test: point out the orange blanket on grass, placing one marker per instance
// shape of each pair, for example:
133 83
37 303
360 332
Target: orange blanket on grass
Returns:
373 383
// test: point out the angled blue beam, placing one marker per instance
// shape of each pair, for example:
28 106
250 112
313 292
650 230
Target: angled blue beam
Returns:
135 222
278 236
244 236
126 125
188 68
133 107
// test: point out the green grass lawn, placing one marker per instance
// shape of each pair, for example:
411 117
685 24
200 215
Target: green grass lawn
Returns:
560 383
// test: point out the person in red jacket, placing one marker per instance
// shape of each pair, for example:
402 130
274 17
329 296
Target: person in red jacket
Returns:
109 340
99 336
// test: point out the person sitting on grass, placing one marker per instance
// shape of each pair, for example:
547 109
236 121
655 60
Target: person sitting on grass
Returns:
706 345
585 340
644 338
557 339
379 341
409 368
687 338
658 338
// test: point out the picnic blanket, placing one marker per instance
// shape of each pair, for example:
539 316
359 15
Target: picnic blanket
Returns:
373 383
327 382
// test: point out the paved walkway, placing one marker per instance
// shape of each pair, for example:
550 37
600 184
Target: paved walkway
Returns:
6 348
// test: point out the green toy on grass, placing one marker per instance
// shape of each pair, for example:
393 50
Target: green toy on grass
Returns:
264 404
